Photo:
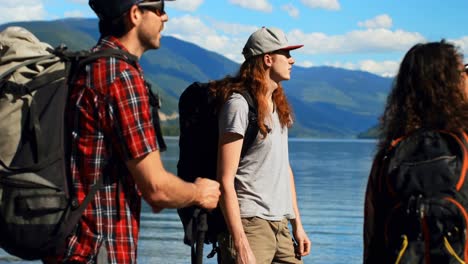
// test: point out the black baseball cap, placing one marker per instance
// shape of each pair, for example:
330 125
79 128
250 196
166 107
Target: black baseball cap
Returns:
111 9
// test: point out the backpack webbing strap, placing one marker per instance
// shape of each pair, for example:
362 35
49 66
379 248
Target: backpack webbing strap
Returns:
34 124
42 159
201 227
66 228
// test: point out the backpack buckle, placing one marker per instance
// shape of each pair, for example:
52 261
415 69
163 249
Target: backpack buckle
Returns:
213 251
416 206
74 203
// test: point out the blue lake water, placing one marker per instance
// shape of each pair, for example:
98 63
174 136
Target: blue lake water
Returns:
331 177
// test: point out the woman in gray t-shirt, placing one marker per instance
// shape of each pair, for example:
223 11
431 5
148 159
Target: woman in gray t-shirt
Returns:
258 193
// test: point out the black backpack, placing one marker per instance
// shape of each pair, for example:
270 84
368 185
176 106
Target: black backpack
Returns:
38 208
198 148
424 180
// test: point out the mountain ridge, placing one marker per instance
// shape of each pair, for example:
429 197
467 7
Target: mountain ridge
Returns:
328 102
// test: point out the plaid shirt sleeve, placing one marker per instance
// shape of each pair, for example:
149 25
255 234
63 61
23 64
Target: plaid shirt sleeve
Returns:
131 114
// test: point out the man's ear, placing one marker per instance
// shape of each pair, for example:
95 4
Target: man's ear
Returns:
268 60
134 15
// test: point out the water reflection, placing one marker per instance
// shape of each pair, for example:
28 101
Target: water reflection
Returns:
330 179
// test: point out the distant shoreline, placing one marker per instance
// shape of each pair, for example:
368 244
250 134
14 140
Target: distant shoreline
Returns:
294 139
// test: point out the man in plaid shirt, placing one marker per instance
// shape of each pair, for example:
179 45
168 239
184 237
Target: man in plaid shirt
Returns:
112 136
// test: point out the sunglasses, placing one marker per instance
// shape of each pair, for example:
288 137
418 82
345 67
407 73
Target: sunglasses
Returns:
286 53
156 7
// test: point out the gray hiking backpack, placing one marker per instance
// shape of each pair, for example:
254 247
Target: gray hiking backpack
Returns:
38 209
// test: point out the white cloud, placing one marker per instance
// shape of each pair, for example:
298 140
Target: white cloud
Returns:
259 5
462 43
291 10
27 10
12 3
382 68
381 21
84 2
323 4
189 26
74 13
185 5
233 28
363 41
227 40
305 63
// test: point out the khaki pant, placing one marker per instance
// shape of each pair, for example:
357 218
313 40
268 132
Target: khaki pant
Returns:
270 242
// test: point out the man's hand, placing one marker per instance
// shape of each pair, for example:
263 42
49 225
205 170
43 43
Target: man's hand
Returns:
207 193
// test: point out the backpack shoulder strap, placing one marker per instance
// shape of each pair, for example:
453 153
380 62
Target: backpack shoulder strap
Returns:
462 140
252 128
85 57
155 103
79 59
89 57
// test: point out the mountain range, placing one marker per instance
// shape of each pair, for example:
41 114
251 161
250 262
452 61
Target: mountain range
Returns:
328 102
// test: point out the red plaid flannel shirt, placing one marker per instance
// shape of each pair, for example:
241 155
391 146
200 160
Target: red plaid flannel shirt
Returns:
110 122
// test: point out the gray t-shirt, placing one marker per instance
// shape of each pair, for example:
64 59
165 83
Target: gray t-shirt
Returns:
262 180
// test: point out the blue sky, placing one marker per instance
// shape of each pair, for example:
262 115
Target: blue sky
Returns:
369 35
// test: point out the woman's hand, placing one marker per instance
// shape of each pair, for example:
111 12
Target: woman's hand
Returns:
244 252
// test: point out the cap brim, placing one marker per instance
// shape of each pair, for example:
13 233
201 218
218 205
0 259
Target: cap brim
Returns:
292 47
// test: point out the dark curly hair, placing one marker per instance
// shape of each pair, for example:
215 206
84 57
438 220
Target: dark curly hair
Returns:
251 78
427 93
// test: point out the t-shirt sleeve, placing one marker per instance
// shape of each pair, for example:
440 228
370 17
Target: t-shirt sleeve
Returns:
233 117
133 119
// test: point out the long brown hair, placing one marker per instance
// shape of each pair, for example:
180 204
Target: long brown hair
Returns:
427 93
251 78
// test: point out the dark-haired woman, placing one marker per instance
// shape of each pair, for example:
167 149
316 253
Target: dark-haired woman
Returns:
429 93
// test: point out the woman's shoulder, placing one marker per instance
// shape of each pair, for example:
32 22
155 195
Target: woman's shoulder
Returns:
235 103
236 99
